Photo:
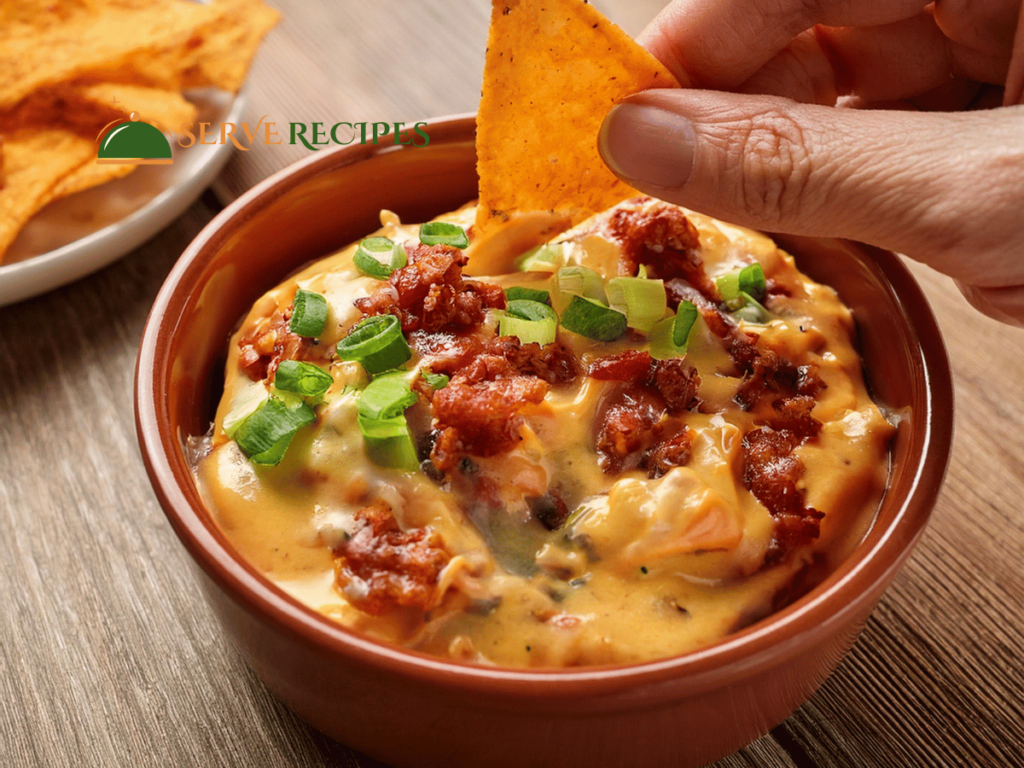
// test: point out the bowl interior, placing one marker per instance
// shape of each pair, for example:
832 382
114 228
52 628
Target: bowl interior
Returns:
333 198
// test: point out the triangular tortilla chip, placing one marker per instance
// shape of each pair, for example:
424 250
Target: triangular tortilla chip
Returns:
171 44
554 68
34 161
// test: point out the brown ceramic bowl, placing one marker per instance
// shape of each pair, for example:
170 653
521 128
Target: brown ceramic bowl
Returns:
408 709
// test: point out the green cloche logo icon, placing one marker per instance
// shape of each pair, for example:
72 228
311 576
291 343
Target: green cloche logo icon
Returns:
134 142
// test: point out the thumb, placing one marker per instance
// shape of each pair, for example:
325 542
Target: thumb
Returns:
942 188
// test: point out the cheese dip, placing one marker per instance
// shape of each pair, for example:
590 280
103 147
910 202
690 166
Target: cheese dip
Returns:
620 445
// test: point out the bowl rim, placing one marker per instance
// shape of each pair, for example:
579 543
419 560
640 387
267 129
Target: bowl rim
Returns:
853 586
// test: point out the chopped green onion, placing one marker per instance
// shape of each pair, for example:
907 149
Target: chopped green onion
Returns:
527 309
576 281
309 314
749 280
246 400
752 281
529 321
729 289
386 397
671 337
435 380
443 233
265 435
517 292
527 331
376 342
593 319
642 301
388 442
378 257
752 310
543 258
302 378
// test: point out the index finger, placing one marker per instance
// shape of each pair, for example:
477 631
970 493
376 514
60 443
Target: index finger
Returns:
721 43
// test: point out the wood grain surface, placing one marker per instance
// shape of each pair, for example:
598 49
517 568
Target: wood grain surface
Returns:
109 655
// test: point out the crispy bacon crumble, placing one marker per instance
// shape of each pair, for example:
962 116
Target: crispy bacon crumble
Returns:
381 567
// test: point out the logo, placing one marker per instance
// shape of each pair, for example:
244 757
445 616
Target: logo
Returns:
133 142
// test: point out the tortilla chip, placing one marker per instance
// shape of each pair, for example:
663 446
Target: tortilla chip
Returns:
159 43
553 70
165 109
34 161
84 177
168 110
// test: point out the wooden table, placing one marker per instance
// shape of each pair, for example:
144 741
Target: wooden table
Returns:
110 657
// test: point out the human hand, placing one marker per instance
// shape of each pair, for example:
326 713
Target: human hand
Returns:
942 185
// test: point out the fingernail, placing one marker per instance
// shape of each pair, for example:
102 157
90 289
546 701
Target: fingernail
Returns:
648 145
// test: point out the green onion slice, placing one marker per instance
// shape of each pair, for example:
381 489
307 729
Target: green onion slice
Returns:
642 301
749 280
729 289
527 309
376 342
435 380
309 314
752 310
246 400
593 319
388 442
527 331
378 257
265 435
543 258
576 281
386 397
443 233
670 337
302 378
752 281
529 321
517 292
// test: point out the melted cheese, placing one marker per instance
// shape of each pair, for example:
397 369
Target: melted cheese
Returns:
645 568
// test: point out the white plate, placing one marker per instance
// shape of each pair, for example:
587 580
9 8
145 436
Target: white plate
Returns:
89 230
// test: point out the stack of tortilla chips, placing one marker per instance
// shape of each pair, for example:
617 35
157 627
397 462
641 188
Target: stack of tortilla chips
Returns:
71 68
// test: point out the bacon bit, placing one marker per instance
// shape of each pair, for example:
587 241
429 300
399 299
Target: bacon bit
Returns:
550 510
663 239
554 363
476 411
626 427
270 342
768 374
677 382
793 414
674 452
430 294
630 366
771 473
382 567
630 421
446 352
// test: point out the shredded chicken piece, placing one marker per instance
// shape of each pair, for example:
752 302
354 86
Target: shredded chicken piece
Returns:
381 567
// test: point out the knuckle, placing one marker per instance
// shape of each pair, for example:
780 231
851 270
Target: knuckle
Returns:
774 163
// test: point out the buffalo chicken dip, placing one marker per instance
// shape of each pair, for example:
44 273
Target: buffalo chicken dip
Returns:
623 444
